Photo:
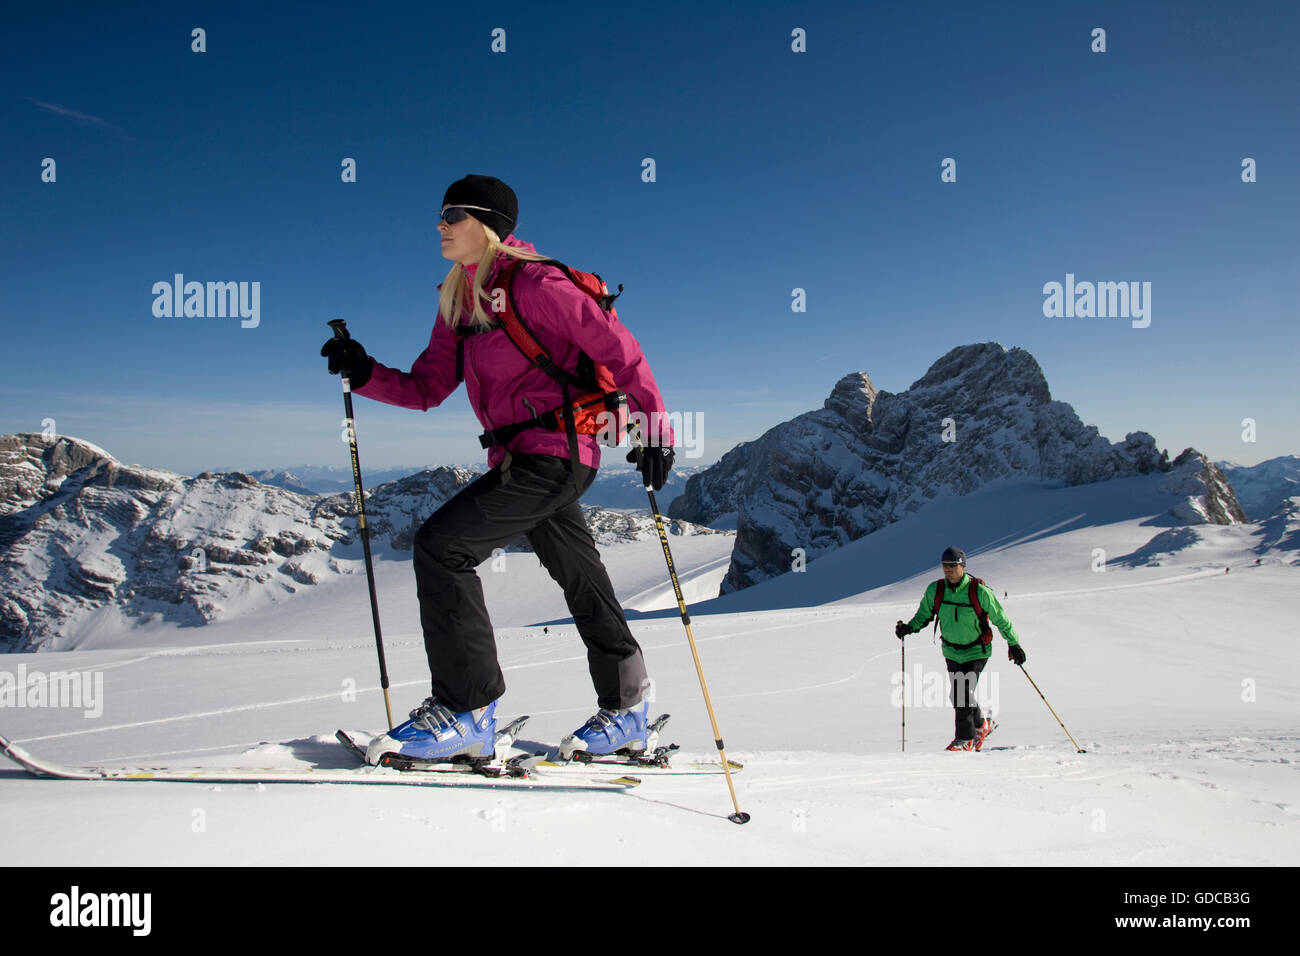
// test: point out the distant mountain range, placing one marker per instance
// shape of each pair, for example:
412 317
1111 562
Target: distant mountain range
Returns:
617 484
329 479
1264 488
86 541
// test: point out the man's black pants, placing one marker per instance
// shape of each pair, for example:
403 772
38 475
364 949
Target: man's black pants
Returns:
962 680
535 496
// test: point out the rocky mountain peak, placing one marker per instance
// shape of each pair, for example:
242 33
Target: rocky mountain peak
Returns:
852 399
989 368
868 458
1207 495
33 466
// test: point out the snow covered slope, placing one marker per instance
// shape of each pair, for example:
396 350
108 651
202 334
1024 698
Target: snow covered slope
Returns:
1174 675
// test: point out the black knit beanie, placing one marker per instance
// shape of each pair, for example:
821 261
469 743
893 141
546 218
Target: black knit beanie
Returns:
490 192
953 556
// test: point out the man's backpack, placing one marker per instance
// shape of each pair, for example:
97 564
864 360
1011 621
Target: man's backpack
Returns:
590 394
986 633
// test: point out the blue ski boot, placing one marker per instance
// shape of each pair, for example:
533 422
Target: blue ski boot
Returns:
435 733
610 731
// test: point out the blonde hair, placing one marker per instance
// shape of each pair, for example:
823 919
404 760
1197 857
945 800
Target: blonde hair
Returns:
457 287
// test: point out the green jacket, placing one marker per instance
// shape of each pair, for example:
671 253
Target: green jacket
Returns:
958 622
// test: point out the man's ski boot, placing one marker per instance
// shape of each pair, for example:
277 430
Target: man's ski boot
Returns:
434 733
961 745
983 731
627 732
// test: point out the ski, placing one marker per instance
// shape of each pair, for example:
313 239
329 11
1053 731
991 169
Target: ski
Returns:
550 762
460 775
656 764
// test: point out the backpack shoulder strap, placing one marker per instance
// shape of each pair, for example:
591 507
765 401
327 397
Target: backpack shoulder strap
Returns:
986 635
527 343
519 333
938 601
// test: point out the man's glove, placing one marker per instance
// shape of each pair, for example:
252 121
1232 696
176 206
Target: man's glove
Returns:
347 357
1016 654
901 630
654 465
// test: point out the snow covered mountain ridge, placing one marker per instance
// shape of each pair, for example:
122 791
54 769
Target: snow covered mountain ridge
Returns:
87 542
869 458
1266 488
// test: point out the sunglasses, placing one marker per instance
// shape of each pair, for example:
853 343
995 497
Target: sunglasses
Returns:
454 214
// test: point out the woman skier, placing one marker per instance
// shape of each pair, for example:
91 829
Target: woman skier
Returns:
530 488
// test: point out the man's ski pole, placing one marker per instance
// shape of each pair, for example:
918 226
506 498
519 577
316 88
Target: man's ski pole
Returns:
739 816
1049 707
341 332
902 646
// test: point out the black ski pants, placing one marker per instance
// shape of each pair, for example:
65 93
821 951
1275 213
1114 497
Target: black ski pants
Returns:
962 680
532 495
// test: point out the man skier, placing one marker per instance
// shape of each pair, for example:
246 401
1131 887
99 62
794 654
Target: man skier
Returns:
964 609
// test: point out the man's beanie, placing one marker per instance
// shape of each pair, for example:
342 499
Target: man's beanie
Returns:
953 556
490 192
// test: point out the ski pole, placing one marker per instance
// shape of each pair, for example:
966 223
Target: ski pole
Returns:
1049 707
902 647
341 332
739 816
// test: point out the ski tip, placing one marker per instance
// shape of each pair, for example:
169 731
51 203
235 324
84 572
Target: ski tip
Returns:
740 816
628 782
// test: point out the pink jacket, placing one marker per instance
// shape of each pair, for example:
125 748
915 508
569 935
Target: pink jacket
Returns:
501 381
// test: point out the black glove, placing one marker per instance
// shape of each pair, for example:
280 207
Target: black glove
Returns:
347 357
901 630
654 465
1016 654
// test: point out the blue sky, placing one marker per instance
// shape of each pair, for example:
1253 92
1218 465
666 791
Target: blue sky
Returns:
775 170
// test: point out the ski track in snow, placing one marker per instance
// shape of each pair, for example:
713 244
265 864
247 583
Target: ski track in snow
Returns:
295 701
